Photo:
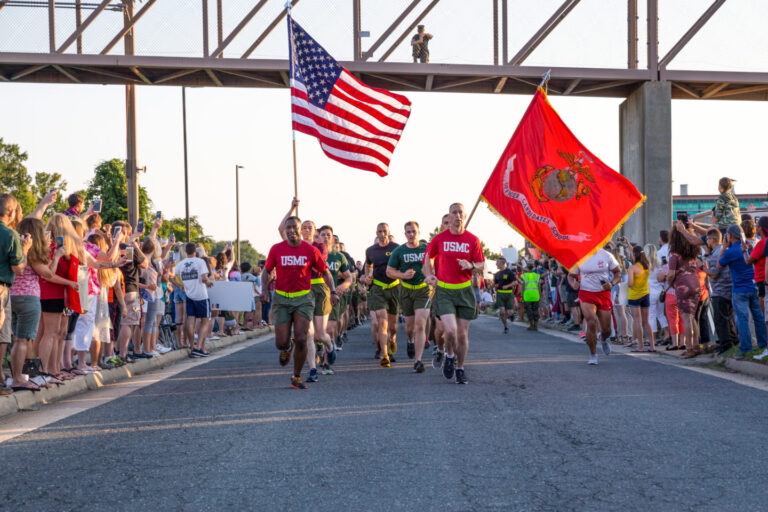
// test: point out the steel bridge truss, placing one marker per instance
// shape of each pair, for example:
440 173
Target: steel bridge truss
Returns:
65 61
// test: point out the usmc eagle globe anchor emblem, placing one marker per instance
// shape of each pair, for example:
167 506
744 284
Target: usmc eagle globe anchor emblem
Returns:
560 185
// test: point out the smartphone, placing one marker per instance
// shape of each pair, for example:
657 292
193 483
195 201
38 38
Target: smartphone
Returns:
129 253
116 231
663 260
59 242
140 226
97 205
51 191
172 237
159 214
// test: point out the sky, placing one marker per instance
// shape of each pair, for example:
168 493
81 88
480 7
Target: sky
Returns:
449 147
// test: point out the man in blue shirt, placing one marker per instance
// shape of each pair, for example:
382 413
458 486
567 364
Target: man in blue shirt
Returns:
745 300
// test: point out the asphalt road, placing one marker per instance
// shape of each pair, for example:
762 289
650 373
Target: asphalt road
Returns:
535 429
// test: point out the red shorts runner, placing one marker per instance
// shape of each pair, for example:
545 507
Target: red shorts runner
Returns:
600 299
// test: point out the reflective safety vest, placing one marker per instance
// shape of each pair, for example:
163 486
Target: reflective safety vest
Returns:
530 287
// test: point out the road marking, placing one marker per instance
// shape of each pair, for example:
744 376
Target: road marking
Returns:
27 421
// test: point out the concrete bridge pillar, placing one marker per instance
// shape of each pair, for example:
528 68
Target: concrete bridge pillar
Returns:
646 158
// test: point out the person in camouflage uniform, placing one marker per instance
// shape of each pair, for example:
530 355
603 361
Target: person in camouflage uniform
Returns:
420 45
726 210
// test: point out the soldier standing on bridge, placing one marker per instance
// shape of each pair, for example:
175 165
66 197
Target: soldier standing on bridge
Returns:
420 45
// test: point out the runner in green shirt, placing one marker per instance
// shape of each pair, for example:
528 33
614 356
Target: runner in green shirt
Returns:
405 264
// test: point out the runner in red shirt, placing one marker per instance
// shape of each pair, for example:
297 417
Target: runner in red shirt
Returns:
457 254
292 261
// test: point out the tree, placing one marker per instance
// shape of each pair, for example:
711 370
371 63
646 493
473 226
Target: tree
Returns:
247 252
178 227
110 184
489 255
15 179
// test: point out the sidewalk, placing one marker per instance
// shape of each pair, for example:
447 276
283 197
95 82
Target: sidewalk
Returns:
31 400
724 362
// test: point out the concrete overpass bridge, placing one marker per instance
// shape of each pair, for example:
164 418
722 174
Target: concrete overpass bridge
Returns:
231 43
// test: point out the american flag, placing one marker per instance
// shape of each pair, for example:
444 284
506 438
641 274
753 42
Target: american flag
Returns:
356 125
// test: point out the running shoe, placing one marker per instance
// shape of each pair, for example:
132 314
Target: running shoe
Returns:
461 377
592 359
437 359
339 342
296 383
312 375
418 367
606 347
506 329
331 356
392 347
285 358
448 367
411 349
203 353
574 327
344 337
762 355
327 370
385 362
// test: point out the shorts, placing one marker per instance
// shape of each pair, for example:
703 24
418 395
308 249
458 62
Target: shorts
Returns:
52 305
133 307
380 298
600 299
25 314
413 299
505 300
283 307
761 289
642 302
460 302
321 299
198 308
115 315
337 310
150 320
5 305
571 298
179 297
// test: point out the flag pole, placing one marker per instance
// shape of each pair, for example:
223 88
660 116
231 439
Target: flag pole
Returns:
473 211
288 6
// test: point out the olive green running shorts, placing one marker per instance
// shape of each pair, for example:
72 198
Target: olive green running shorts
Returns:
411 300
322 295
460 302
283 308
379 298
505 300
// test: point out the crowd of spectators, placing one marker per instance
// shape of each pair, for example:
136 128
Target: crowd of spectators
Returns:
79 296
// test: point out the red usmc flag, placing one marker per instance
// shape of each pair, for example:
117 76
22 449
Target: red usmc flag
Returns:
554 191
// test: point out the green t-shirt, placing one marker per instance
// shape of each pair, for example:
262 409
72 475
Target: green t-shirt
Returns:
337 263
404 258
10 253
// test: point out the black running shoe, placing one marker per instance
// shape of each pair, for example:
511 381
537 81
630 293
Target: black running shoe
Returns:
461 378
418 367
411 349
296 383
285 356
448 367
506 330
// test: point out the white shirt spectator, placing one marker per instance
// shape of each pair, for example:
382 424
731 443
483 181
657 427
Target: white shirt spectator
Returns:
191 272
487 297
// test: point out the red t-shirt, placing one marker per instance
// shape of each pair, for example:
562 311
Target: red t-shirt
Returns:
758 253
447 248
323 253
49 290
293 265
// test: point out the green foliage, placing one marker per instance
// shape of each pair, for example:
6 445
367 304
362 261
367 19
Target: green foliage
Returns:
489 255
109 183
247 252
15 179
178 227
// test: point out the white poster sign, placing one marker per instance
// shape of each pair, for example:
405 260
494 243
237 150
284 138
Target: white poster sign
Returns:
510 254
231 295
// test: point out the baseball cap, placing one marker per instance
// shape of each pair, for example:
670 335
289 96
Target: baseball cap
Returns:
734 230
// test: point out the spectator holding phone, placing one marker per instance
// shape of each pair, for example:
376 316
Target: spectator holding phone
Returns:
131 314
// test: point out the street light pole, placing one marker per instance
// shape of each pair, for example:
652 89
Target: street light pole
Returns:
186 174
237 208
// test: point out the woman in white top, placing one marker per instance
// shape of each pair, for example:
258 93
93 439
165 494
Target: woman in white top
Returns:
594 279
657 318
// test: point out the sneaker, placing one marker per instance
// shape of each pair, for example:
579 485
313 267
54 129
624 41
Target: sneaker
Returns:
437 359
448 367
285 358
106 366
377 355
213 338
606 347
418 367
392 347
296 383
327 370
312 375
574 327
339 342
154 353
762 355
740 356
163 350
392 358
195 353
331 356
385 362
506 330
411 349
592 359
461 377
203 353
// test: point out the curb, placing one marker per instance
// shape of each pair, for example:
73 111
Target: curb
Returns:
755 370
25 401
